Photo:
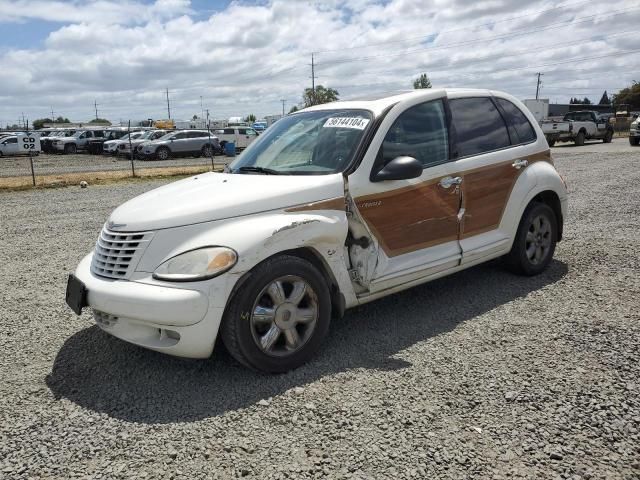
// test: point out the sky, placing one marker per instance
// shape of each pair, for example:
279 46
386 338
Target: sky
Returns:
236 57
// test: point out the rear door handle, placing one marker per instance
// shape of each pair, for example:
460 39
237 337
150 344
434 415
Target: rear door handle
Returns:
518 164
448 182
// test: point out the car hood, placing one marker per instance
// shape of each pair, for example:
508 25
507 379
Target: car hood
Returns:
216 196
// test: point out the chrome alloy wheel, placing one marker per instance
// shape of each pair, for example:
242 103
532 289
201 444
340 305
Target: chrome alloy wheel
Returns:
284 316
538 240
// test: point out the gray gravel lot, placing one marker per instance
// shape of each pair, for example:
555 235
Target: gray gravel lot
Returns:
479 375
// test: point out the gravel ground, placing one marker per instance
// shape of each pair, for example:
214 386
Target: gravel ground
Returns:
479 375
56 164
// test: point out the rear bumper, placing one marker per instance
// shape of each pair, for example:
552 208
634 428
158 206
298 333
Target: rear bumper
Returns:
176 321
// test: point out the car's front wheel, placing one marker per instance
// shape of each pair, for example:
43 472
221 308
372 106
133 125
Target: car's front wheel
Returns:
207 151
633 141
535 240
163 153
277 320
70 148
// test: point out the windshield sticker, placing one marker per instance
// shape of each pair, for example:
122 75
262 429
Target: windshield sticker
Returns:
347 122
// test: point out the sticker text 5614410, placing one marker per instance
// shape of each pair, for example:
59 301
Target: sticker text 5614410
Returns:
346 122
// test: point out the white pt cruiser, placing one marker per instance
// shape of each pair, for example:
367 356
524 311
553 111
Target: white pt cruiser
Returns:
332 207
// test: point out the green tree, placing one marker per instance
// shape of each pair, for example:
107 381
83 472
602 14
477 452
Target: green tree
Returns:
195 117
101 121
628 96
294 109
250 118
422 82
319 96
39 123
604 100
61 119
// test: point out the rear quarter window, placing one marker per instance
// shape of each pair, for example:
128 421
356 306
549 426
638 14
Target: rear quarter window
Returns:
517 121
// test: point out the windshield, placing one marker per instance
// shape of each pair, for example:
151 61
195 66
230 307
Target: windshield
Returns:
307 143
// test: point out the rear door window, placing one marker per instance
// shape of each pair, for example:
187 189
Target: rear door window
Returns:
479 126
518 122
229 131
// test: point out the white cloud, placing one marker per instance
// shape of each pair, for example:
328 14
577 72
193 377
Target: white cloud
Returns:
245 58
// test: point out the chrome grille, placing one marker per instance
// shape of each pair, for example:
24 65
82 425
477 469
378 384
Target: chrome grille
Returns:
117 253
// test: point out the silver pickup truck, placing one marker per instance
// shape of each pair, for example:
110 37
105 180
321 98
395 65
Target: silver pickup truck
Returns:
577 127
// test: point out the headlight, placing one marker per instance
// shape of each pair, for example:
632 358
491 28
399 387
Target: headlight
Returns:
199 264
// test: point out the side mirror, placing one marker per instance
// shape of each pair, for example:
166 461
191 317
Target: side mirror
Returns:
400 168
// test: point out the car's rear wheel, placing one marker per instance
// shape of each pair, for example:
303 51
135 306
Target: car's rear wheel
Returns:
207 151
608 137
633 141
163 153
551 141
70 148
279 317
535 241
579 141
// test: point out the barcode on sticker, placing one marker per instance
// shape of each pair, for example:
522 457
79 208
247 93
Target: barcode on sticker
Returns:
347 122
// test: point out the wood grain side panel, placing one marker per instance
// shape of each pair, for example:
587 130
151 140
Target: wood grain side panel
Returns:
411 218
486 193
337 203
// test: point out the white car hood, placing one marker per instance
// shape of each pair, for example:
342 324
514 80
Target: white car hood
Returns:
215 196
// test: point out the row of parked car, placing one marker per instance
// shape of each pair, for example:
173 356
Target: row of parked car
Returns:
146 143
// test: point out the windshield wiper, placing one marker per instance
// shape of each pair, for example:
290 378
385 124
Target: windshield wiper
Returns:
267 171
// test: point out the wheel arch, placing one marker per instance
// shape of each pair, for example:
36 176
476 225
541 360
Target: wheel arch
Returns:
551 198
310 254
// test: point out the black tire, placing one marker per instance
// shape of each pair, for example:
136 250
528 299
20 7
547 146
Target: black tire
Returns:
579 140
519 259
551 142
70 149
239 328
207 151
633 141
608 137
163 153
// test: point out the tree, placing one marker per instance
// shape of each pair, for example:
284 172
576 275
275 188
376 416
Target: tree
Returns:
577 101
100 120
604 100
628 96
250 118
422 82
294 109
39 123
319 96
195 117
61 120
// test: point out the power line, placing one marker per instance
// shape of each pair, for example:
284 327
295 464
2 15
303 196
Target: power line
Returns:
473 42
472 27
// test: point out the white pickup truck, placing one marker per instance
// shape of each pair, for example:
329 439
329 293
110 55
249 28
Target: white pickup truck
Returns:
577 127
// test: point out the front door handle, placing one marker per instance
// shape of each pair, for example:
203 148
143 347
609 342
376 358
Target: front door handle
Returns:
448 182
518 164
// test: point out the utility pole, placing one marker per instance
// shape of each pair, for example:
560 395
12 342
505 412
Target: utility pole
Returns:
95 105
538 84
52 117
283 106
168 107
201 107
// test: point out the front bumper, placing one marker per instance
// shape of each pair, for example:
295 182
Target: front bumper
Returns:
173 320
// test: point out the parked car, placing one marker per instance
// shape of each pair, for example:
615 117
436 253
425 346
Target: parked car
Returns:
47 142
332 207
111 147
11 145
259 127
137 143
180 143
241 136
577 127
71 144
634 132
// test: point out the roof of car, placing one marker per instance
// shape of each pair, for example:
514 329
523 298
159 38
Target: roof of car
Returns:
378 103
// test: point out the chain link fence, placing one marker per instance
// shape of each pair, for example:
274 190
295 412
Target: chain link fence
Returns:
60 168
